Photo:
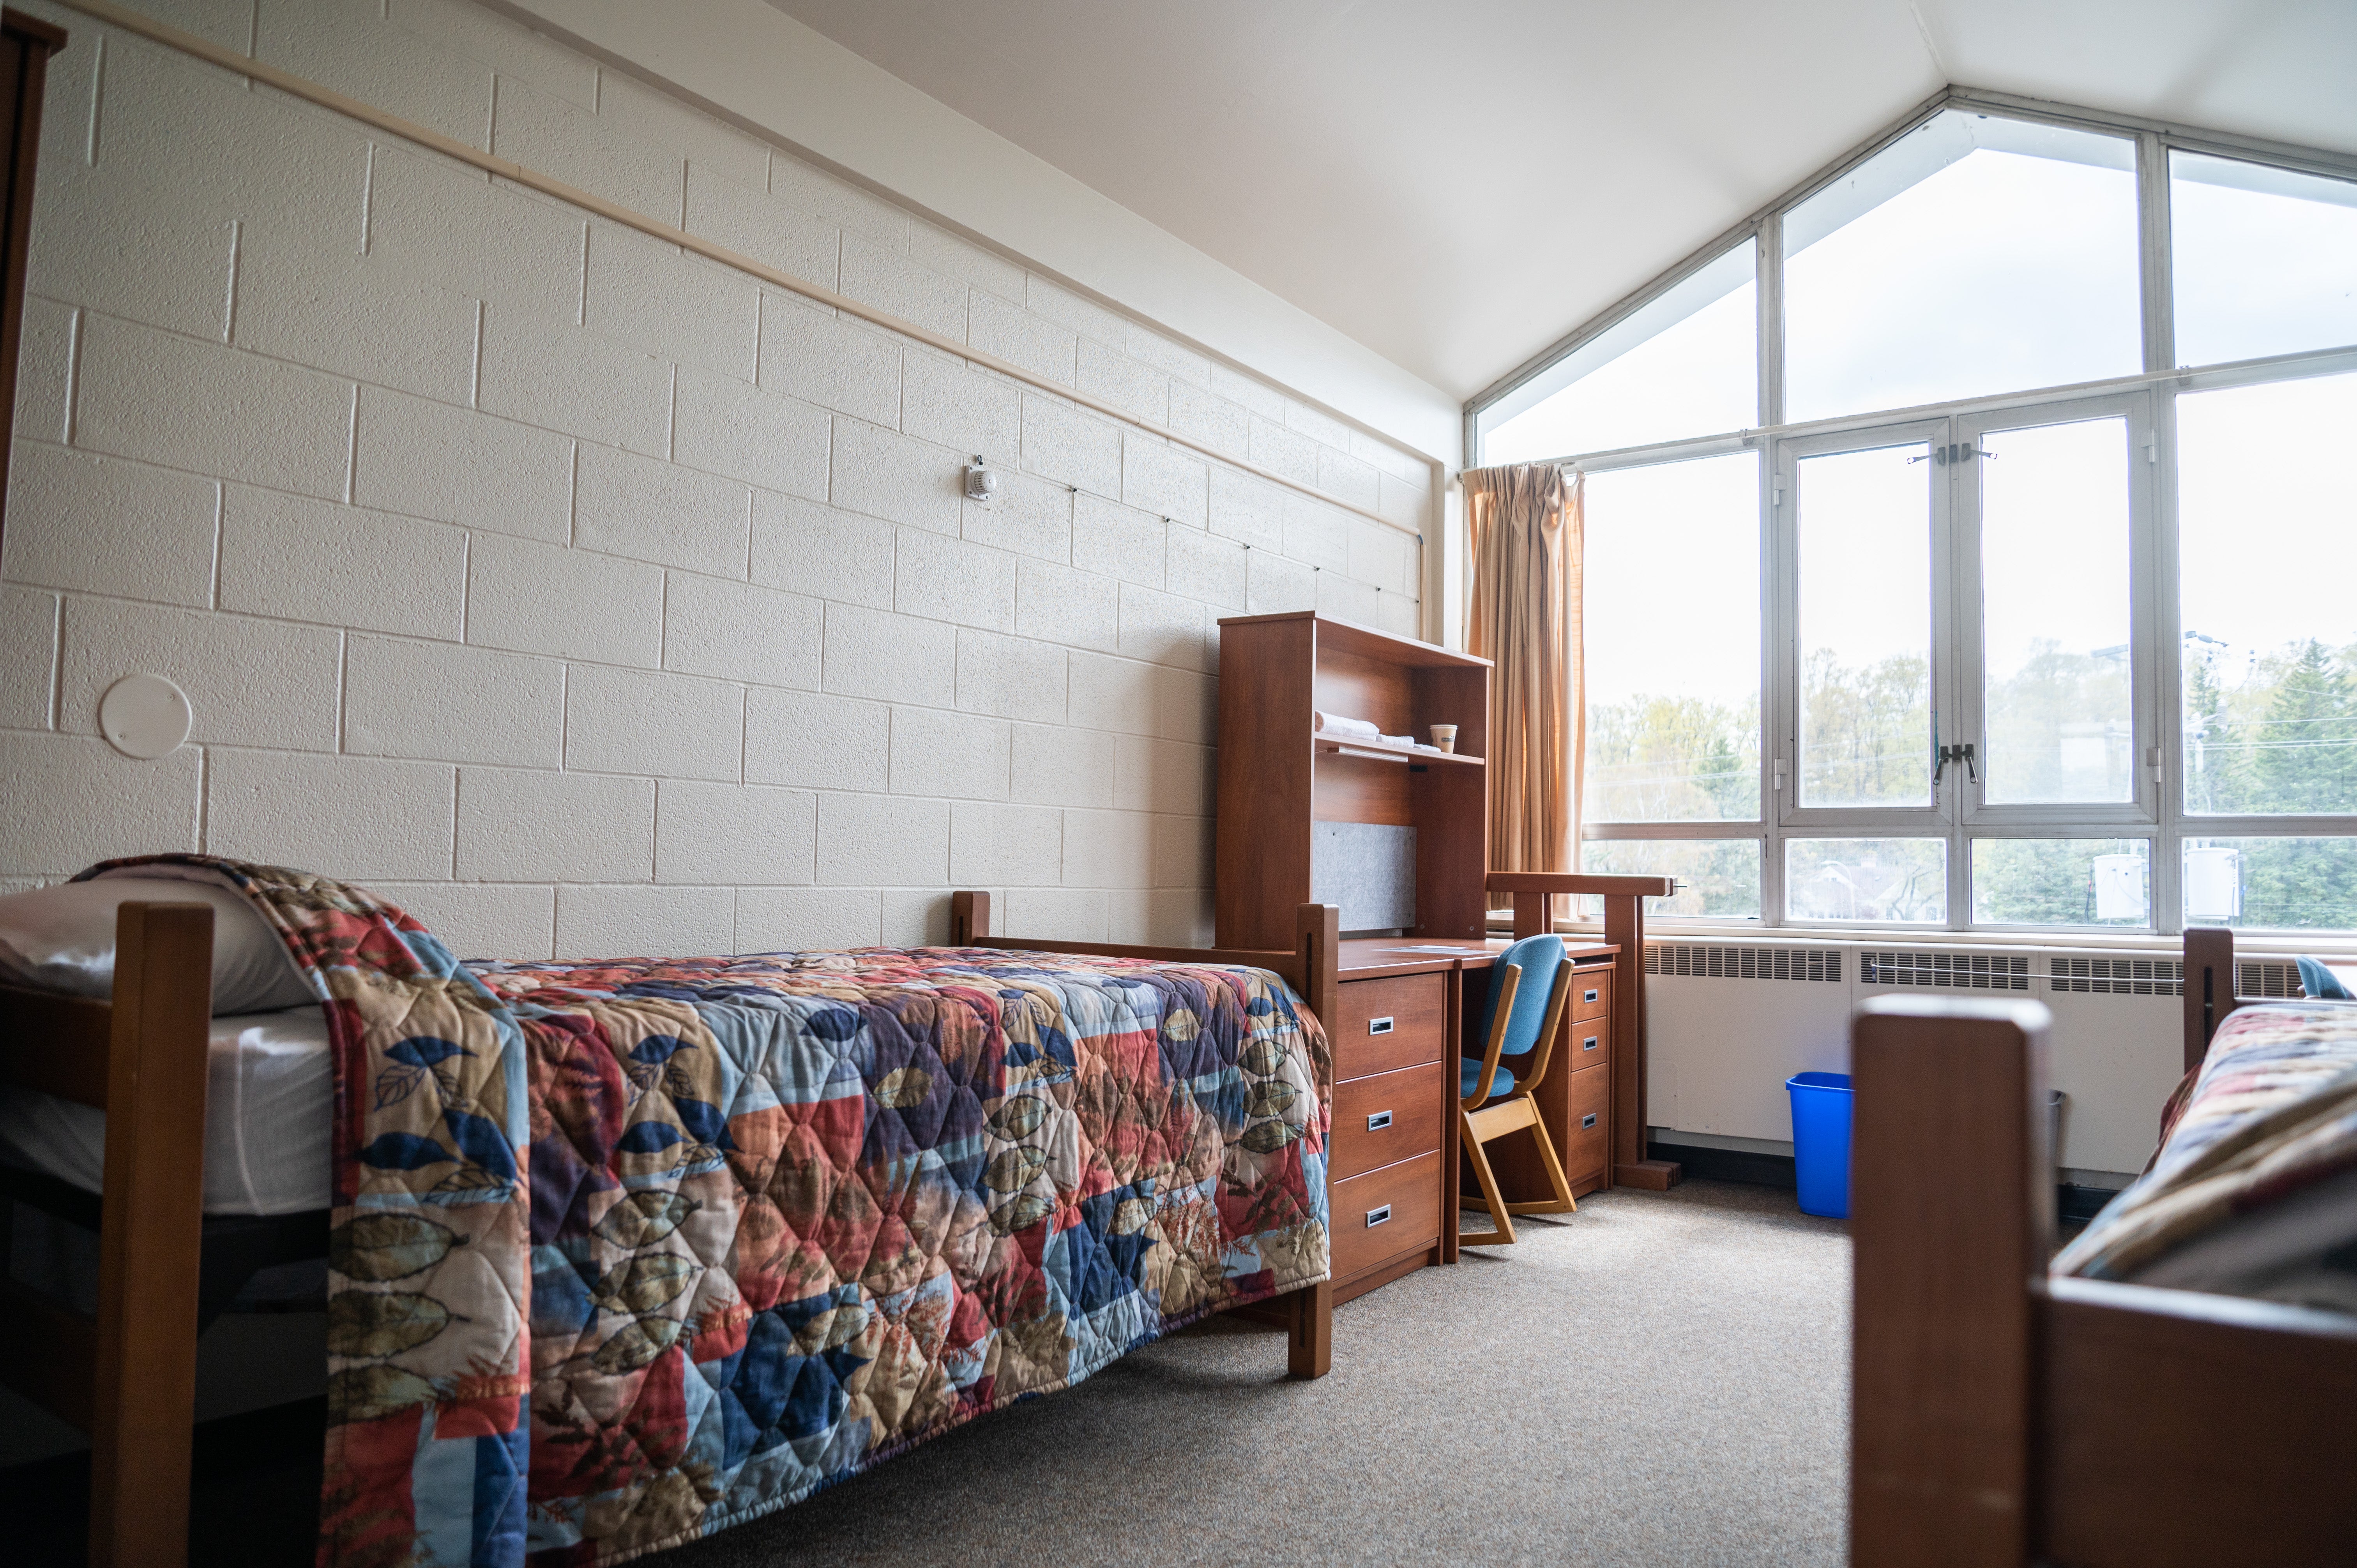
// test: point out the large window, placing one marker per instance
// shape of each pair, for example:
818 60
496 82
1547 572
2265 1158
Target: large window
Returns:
1937 577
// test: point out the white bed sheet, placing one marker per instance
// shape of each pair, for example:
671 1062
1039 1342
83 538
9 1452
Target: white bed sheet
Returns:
268 1119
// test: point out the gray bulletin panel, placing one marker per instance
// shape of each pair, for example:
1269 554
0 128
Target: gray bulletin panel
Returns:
1367 868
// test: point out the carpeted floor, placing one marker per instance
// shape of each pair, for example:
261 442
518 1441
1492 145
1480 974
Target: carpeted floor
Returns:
1659 1379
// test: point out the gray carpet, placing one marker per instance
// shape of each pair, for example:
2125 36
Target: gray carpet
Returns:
1659 1379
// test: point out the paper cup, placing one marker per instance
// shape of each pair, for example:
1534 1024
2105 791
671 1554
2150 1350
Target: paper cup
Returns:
1444 737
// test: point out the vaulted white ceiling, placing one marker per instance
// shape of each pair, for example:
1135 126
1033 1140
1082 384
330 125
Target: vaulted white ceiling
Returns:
1457 186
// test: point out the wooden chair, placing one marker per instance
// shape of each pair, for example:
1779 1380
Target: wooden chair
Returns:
1497 1097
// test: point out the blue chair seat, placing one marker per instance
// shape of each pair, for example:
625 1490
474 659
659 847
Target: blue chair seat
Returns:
1470 1076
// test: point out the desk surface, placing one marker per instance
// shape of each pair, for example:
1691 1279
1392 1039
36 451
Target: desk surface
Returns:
1372 958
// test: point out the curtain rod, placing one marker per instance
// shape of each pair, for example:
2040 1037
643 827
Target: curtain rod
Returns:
547 185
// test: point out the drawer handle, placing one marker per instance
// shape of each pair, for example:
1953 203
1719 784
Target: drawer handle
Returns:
1379 1025
1591 995
1379 1216
1587 1121
1378 1120
1588 1043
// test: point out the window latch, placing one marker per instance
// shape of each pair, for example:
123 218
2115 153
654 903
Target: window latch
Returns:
1961 755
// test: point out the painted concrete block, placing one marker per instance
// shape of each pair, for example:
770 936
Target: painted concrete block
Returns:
1405 502
1029 516
211 410
352 818
916 919
1181 364
1339 598
886 474
46 828
1317 534
944 402
735 631
644 922
1085 317
751 222
883 841
1163 479
890 280
937 753
726 426
812 549
669 726
1108 849
1005 846
1057 914
1383 558
825 359
110 527
1345 477
894 658
549 135
1205 567
563 379
44 368
1254 394
1166 776
374 571
1055 765
946 252
507 46
1319 426
1011 677
1249 510
1286 452
995 325
249 682
805 919
445 225
1061 443
1114 376
1162 628
1058 604
817 742
1275 585
652 511
29 660
1112 694
544 599
720 833
1398 464
444 703
485 472
1119 540
1209 417
348 46
515 826
949 579
838 201
1182 851
646 115
671 305
481 919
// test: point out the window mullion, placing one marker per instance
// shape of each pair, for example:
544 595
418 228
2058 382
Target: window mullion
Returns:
2152 240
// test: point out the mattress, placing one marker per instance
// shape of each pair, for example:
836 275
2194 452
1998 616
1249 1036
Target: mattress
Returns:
267 1120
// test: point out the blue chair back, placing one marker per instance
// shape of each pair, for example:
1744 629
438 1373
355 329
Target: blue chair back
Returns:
1539 957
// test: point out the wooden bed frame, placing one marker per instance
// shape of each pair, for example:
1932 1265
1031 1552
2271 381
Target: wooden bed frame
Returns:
128 1378
2000 1416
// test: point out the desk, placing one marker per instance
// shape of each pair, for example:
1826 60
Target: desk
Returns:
1405 1009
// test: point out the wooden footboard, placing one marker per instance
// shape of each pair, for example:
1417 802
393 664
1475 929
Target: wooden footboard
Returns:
129 1377
1311 968
2002 1418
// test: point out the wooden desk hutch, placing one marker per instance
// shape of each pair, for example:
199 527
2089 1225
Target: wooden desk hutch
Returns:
1402 1014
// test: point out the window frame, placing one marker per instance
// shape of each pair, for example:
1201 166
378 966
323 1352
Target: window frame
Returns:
2148 400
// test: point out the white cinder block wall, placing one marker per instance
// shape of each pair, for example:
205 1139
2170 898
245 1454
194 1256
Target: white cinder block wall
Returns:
585 597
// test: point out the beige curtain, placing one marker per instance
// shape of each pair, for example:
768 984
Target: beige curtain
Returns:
1527 536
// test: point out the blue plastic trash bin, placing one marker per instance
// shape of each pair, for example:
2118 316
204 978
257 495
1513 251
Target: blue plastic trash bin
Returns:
1821 1141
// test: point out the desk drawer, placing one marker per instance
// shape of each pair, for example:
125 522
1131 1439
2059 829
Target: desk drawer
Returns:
1587 1144
1384 1025
1591 993
1587 1042
1403 1199
1407 1103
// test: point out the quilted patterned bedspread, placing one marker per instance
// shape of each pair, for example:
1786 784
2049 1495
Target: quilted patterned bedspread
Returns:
2271 1113
624 1252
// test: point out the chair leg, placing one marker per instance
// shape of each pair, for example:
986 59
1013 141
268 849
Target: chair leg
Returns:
1563 1202
1505 1233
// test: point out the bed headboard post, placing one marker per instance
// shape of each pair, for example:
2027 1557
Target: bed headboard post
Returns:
969 919
2208 987
1950 1100
1317 943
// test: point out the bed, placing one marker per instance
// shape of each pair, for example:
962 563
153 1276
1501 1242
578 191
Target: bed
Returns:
623 1253
2096 1410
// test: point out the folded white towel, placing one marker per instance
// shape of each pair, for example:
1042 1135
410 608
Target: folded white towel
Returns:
1339 725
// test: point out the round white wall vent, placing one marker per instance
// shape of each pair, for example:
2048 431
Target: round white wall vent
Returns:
143 717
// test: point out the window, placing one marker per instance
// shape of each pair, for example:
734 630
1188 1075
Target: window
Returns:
1684 364
1949 637
2265 260
1974 255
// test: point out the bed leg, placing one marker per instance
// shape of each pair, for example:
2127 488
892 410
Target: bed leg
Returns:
1309 1331
1951 1214
151 1238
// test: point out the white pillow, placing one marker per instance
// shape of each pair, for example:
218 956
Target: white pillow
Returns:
62 939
